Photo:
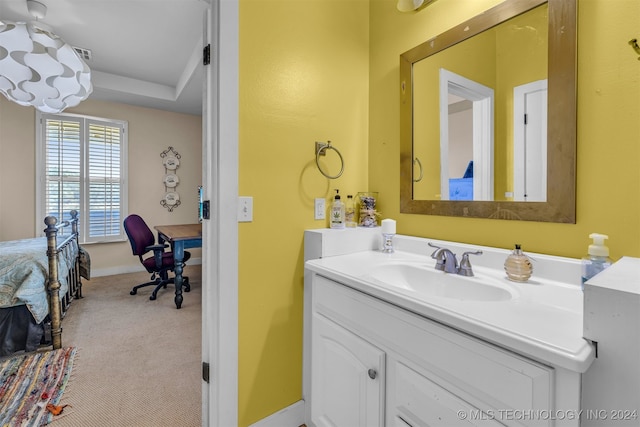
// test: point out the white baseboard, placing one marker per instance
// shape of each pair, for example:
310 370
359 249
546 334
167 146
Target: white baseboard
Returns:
291 416
99 272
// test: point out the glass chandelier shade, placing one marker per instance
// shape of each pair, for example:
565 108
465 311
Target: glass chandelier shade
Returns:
37 68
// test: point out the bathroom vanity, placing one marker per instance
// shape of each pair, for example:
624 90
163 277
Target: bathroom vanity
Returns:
391 341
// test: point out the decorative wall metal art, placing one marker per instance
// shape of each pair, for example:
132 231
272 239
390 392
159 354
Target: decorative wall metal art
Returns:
171 162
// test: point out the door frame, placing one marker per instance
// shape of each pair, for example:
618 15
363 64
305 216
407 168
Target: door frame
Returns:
220 232
482 98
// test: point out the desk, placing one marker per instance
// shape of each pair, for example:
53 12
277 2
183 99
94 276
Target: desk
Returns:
180 237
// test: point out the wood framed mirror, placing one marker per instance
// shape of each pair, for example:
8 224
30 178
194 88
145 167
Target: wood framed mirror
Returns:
500 201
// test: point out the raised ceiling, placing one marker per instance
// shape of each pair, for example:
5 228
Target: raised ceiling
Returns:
143 52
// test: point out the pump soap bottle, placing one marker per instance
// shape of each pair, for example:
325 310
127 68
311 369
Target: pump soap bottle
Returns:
336 219
518 266
597 258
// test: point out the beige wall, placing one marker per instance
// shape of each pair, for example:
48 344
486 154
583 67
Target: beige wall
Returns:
150 133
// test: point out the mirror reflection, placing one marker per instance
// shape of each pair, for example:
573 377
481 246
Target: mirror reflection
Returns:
479 112
488 116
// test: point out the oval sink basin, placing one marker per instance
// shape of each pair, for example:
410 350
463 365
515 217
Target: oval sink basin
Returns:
433 283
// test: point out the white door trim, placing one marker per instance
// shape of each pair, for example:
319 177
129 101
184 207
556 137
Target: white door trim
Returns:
220 233
483 101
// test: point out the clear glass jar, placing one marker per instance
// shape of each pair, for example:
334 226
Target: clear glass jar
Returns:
368 216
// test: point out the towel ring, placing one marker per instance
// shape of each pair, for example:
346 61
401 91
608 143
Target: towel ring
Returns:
416 160
321 150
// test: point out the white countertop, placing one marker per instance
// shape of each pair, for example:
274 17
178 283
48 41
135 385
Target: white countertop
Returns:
542 320
622 276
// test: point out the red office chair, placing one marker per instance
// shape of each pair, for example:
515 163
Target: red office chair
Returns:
160 264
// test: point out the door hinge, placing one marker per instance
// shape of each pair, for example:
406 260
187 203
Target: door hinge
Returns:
205 209
526 119
205 372
206 55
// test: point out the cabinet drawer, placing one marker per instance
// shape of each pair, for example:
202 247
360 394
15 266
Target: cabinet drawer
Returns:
418 401
480 373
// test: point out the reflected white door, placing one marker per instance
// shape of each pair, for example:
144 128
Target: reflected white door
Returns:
530 142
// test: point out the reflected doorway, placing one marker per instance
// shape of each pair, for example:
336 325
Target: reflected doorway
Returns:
478 166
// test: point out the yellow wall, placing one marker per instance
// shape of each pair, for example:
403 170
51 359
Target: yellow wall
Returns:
303 78
525 38
608 152
150 133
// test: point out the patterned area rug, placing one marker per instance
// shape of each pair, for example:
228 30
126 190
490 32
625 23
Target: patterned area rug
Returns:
31 386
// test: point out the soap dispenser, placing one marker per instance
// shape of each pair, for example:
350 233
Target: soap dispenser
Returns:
518 266
597 258
336 219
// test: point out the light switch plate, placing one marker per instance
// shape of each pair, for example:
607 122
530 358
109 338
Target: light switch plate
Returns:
320 208
245 209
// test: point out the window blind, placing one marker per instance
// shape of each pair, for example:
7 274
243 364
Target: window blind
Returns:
83 170
103 179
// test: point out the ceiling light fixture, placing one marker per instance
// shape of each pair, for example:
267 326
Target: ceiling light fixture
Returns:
409 5
38 68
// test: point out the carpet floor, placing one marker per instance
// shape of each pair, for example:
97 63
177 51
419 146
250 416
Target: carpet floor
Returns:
139 361
32 384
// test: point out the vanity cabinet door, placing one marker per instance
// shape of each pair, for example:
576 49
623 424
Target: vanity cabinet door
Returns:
347 378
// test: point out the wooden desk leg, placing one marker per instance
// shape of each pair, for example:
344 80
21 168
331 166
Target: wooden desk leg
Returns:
178 256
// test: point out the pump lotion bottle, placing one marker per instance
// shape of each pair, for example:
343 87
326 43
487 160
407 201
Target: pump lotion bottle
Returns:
336 217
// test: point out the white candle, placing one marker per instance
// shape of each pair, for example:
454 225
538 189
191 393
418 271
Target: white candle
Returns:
388 226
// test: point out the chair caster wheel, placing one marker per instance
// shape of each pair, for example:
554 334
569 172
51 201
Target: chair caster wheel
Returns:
133 292
152 297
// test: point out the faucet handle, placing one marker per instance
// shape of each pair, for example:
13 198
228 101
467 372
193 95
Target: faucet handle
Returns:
435 253
439 256
465 265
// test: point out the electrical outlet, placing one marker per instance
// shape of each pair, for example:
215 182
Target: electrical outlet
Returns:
245 209
320 208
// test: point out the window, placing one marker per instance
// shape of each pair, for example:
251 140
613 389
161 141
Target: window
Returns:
82 165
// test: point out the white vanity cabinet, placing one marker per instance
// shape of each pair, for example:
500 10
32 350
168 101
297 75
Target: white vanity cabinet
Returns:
372 363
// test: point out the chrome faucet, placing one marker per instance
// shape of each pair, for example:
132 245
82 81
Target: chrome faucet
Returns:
446 261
